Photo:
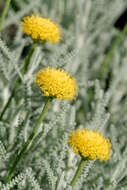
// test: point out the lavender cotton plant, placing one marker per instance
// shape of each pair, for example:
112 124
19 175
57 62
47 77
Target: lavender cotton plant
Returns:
63 95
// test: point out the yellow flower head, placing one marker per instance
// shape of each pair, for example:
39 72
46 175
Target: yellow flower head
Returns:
56 83
40 28
90 144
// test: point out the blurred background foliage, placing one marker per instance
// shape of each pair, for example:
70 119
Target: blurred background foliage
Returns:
94 50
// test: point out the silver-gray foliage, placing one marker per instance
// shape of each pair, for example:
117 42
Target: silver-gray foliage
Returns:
88 31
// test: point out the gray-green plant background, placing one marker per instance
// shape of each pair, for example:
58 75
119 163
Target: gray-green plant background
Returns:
88 34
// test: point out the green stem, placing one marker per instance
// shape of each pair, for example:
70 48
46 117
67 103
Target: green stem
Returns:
36 127
36 139
4 13
104 66
78 171
27 61
24 70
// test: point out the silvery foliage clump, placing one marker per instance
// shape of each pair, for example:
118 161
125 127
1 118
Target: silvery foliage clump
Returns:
87 34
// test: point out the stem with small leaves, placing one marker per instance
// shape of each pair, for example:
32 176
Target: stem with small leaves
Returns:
30 138
18 82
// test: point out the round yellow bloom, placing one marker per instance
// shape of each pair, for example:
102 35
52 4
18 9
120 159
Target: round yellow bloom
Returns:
40 28
90 144
56 83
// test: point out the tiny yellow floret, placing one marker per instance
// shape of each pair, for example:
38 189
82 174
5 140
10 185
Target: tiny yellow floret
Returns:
40 28
90 144
56 83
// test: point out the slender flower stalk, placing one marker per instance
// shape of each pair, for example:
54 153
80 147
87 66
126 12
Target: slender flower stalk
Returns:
27 61
78 171
54 83
35 129
36 140
4 13
18 82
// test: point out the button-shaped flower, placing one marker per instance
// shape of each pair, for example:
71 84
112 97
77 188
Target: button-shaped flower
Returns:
90 144
40 28
56 83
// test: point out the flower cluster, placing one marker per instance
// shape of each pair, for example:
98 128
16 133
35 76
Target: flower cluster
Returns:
40 28
60 84
90 144
56 83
